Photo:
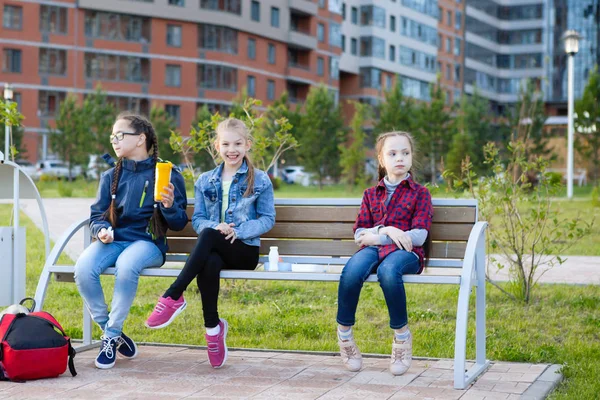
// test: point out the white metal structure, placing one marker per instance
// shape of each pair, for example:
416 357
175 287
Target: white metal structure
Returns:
571 39
472 274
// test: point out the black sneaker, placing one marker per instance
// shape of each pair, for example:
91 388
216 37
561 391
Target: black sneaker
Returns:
127 347
108 353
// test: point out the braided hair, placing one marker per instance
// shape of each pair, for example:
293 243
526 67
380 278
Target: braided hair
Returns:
140 125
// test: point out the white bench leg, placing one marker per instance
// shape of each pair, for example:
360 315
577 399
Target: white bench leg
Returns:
87 327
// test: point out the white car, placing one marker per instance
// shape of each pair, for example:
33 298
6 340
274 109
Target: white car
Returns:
296 174
27 167
96 166
56 168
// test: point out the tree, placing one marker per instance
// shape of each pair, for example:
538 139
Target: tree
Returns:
71 138
17 150
436 128
587 123
353 154
10 115
397 112
163 124
462 146
474 120
321 133
99 117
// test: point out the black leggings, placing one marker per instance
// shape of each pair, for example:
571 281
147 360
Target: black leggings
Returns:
211 254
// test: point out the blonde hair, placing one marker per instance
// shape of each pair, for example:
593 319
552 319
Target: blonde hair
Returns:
239 127
379 148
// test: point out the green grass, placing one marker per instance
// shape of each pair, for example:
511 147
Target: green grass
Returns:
561 325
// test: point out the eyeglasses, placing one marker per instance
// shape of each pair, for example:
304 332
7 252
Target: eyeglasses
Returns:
120 135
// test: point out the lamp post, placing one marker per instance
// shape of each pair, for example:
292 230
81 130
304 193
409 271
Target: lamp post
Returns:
571 39
8 95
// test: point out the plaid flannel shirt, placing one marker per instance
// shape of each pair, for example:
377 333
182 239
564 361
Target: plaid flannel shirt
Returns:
409 208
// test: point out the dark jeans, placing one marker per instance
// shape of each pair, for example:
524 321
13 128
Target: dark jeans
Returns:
389 274
211 254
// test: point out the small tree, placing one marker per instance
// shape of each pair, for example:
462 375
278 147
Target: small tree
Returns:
524 226
321 133
99 117
587 123
532 101
10 115
353 154
163 124
397 112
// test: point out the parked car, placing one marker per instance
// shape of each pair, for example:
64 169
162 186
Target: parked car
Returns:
296 174
27 167
56 168
96 166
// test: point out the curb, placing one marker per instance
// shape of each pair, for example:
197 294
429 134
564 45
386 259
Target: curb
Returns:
544 384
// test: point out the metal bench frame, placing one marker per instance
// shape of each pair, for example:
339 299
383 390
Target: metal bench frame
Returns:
472 275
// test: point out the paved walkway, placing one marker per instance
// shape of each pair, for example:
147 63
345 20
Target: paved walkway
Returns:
180 372
63 212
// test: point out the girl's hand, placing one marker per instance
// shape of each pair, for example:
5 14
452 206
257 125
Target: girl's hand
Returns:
168 195
401 238
231 236
367 239
224 228
105 237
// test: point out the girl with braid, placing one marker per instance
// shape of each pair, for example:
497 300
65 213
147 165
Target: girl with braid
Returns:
234 206
131 231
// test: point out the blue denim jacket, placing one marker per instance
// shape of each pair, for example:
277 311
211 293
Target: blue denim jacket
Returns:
253 215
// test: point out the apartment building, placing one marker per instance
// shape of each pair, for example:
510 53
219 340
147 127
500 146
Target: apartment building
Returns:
176 54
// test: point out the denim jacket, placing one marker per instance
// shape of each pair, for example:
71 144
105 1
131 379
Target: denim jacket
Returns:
253 215
135 203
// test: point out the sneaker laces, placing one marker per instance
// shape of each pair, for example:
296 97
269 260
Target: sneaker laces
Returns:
399 353
160 307
349 351
107 346
121 342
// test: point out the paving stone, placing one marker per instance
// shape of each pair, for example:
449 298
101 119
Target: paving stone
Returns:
474 394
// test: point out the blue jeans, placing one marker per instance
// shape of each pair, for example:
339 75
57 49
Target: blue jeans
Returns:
389 274
129 258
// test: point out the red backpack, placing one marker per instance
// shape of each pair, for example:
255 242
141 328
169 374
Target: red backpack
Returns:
33 346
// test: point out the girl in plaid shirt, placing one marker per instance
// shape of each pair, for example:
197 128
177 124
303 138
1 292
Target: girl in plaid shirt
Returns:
391 229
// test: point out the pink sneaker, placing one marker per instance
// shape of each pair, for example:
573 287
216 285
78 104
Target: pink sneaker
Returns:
217 348
165 312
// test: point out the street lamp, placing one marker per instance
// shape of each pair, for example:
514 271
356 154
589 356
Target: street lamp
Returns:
571 39
8 95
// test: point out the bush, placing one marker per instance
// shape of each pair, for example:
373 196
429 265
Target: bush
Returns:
595 195
277 182
65 189
554 178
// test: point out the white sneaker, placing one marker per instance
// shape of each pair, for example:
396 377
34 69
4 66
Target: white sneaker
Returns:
350 353
401 356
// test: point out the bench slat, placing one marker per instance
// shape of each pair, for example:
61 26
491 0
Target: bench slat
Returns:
332 248
441 214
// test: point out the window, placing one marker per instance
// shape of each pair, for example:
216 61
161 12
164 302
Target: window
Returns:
255 11
388 82
457 45
12 17
11 60
271 53
252 49
392 23
392 53
217 38
135 104
180 3
429 7
334 68
372 46
418 31
372 16
440 14
449 18
354 15
275 17
321 32
370 77
353 46
174 35
270 89
251 86
117 68
457 73
112 26
53 19
417 59
458 20
448 72
321 3
52 61
230 6
17 99
49 102
320 66
217 77
343 11
343 43
448 45
173 75
174 111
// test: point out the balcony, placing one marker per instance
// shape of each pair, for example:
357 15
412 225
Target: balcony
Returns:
302 40
304 6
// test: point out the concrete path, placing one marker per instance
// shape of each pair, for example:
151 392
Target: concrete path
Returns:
182 372
66 211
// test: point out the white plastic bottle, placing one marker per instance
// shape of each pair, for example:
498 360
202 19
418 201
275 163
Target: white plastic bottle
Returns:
273 259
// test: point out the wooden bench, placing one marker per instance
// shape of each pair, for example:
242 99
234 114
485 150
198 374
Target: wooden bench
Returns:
319 232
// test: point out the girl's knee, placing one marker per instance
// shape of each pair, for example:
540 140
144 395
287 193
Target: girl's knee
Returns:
208 235
386 273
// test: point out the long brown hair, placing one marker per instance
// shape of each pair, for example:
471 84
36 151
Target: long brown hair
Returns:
382 172
238 126
139 124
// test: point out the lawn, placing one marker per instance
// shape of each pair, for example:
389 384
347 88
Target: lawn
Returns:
561 325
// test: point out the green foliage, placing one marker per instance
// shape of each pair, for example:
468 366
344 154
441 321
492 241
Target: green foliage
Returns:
461 147
99 118
397 112
163 125
587 123
321 133
353 155
10 115
595 197
64 189
72 136
524 227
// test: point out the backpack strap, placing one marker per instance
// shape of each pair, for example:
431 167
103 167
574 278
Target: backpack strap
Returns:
72 353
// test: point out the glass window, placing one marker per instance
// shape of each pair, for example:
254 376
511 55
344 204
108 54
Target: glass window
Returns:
174 111
112 26
320 66
415 88
230 6
354 15
271 53
372 16
52 61
457 73
457 45
49 102
372 46
458 20
173 75
251 86
416 59
11 60
370 77
53 19
388 82
429 7
353 46
321 32
255 11
275 17
448 45
321 3
392 52
180 3
252 49
270 89
335 6
217 77
392 23
334 68
335 34
448 17
217 38
12 17
418 31
344 43
174 35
